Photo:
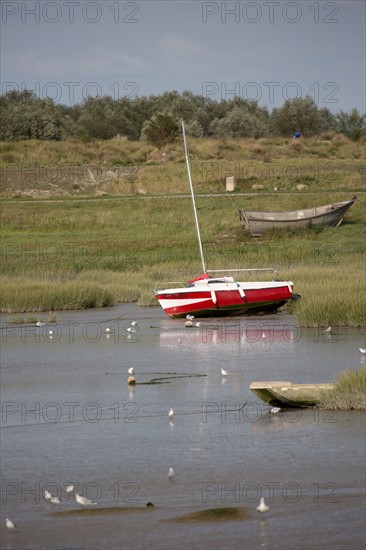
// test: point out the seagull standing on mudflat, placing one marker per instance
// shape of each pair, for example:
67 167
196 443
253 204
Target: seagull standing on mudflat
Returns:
10 524
84 500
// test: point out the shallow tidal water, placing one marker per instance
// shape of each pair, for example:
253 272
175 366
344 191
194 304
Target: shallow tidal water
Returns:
69 417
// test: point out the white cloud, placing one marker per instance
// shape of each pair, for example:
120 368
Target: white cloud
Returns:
97 62
179 46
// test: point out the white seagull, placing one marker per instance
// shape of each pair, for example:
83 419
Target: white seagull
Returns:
262 507
107 329
133 327
171 413
55 500
198 324
131 370
362 350
274 410
40 324
188 323
84 500
171 473
10 524
69 489
190 317
224 372
48 495
329 329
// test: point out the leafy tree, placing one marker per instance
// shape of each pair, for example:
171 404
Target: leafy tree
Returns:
156 118
327 119
352 125
24 116
97 118
297 115
161 129
240 122
194 129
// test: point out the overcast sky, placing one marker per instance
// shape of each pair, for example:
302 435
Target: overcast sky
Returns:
268 51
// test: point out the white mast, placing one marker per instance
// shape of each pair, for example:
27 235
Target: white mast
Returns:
193 201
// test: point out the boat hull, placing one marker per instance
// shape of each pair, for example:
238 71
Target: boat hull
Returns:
224 300
330 215
286 394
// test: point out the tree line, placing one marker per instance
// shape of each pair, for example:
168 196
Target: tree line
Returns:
157 118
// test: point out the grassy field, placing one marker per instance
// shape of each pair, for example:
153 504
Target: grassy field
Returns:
72 238
349 392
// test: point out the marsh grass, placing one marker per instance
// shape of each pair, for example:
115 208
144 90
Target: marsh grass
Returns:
349 392
90 252
78 254
20 320
118 251
333 294
31 295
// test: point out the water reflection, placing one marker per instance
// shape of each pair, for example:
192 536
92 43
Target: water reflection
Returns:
226 333
263 532
222 437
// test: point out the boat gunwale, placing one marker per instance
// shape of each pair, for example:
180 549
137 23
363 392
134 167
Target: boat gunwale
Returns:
205 286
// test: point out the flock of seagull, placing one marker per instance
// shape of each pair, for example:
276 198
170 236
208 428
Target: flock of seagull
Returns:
84 501
189 322
131 329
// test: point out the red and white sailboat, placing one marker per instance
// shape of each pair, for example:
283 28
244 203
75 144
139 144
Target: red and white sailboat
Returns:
208 296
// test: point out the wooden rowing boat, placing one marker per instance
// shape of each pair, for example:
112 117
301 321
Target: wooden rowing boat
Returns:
257 222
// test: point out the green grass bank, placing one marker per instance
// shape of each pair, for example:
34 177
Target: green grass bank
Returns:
77 243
